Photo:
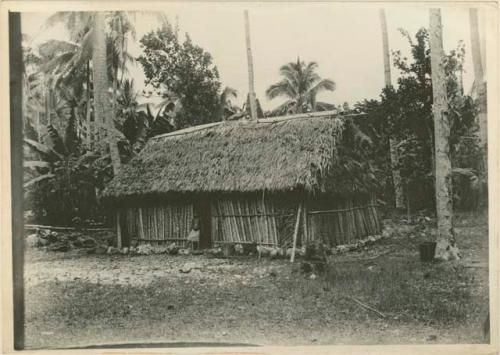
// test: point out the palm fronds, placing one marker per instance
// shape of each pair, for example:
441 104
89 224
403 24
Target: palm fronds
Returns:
300 85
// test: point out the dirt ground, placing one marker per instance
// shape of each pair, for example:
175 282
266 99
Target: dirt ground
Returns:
74 300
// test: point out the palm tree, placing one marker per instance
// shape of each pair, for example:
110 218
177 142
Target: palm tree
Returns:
251 89
102 109
121 28
88 29
65 79
479 77
79 27
300 85
393 153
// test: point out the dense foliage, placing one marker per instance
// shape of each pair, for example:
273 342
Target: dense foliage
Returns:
405 113
184 70
64 179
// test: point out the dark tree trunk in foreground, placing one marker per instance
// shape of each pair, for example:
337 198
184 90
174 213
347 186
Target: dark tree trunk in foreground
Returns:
102 108
444 204
396 176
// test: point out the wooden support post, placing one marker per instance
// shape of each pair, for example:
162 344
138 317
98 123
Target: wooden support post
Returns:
141 225
296 232
304 223
118 231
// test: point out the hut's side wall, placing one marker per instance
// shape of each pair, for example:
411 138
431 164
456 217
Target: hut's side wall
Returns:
244 220
260 218
335 220
270 219
158 225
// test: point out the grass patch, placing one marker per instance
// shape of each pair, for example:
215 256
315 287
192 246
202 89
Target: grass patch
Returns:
407 290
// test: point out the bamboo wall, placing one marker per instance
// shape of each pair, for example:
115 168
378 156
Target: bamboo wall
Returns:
158 225
341 220
270 221
249 220
256 218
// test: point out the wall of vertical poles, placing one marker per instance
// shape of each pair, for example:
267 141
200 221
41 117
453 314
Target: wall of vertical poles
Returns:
272 221
263 219
158 225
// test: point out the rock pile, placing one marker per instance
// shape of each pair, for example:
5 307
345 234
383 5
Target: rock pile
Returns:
65 241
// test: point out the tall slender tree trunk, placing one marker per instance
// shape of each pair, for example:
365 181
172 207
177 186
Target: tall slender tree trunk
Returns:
479 79
48 106
102 109
88 138
385 44
444 204
396 176
251 90
115 87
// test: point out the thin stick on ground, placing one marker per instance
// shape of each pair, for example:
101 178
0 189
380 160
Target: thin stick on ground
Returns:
376 256
367 307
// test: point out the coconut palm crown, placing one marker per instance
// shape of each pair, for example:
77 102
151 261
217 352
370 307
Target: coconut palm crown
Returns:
300 85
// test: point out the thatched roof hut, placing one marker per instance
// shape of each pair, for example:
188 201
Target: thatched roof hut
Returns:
249 163
241 157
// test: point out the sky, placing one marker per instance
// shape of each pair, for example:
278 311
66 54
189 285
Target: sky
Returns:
344 39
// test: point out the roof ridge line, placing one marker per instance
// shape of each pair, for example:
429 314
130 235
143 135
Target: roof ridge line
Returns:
320 114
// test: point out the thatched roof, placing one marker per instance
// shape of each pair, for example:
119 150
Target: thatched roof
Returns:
240 157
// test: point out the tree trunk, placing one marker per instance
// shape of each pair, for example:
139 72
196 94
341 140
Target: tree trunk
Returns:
251 90
88 138
475 45
48 106
385 44
396 176
115 86
479 79
446 248
101 101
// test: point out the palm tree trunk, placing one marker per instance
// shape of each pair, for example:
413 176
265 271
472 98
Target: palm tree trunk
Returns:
251 90
88 110
48 106
396 176
115 85
444 202
475 45
385 44
101 102
478 76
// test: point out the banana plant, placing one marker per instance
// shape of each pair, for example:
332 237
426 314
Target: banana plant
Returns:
46 161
